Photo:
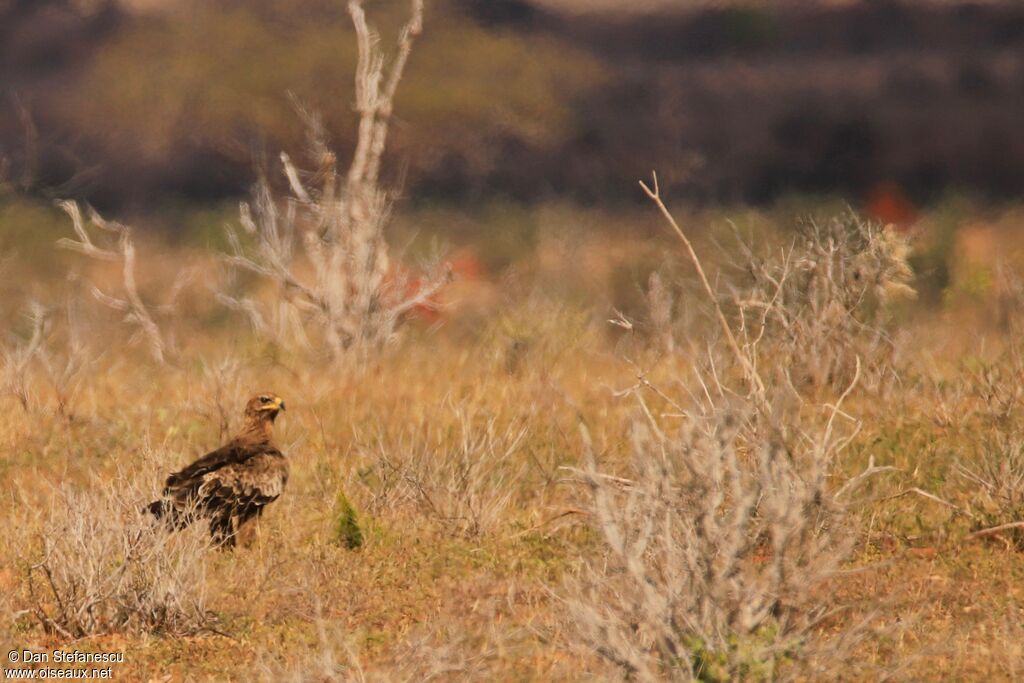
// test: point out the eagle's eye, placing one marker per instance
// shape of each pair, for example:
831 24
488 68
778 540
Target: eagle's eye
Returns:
264 399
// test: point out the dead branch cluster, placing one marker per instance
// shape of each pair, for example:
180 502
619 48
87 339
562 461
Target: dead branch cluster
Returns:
731 517
323 250
325 280
136 313
822 303
462 479
52 352
817 305
990 412
719 542
105 568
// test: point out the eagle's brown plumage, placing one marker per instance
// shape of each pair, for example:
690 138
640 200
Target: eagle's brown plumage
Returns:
231 485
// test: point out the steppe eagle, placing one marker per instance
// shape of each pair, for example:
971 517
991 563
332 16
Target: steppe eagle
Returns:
230 486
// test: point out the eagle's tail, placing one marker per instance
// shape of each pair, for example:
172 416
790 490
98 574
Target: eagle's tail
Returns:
166 511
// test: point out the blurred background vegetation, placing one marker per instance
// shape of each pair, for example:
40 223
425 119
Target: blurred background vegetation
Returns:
163 112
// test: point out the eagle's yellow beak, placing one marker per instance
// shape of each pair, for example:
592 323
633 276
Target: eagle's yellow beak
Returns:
277 403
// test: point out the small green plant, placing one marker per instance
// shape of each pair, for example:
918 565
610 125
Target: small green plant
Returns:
346 527
753 657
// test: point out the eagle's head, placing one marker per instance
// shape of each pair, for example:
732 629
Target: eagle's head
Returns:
263 408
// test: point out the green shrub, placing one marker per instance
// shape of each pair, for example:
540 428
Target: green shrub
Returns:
346 525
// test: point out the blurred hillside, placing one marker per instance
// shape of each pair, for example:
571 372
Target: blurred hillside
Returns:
138 103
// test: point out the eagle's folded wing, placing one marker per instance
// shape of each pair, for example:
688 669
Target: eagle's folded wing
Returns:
229 454
257 481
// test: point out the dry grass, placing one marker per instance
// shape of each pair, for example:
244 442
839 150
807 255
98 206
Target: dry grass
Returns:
721 516
452 451
470 528
459 476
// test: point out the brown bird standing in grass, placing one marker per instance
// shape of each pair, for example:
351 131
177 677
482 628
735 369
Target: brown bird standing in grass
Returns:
230 486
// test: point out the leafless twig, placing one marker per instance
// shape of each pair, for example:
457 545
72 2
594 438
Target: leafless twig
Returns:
135 311
355 296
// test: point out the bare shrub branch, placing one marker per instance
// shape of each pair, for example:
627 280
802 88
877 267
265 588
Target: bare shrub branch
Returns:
660 305
719 546
752 377
816 306
992 466
324 252
463 479
820 304
222 383
103 567
721 537
136 313
20 354
65 366
56 352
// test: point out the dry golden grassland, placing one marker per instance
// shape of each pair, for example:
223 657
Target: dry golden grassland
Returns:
447 520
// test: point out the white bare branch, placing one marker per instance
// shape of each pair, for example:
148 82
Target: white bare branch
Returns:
131 304
323 249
